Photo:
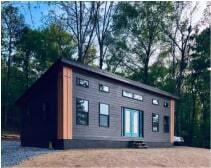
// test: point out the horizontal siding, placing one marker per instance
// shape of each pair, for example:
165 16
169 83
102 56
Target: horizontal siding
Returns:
116 102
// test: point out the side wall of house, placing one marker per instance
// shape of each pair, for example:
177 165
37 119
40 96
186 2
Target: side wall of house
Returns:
39 114
116 101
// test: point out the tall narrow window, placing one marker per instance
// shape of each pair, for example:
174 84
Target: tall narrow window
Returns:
82 82
103 88
155 122
166 124
82 112
104 115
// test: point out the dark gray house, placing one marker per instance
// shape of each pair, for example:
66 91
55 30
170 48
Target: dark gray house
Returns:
74 105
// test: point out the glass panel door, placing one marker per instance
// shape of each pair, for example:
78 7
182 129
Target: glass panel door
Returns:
127 122
131 122
134 130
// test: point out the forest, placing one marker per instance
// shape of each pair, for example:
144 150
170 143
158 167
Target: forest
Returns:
157 43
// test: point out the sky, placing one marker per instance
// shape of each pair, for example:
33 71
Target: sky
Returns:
34 16
41 9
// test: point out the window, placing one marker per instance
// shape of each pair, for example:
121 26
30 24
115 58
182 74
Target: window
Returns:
155 122
155 101
166 104
104 115
127 94
103 88
82 82
138 97
82 112
166 124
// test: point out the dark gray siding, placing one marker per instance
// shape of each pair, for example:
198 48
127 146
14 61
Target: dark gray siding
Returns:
116 102
38 129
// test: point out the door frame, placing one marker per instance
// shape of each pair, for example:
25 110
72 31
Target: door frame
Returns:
140 123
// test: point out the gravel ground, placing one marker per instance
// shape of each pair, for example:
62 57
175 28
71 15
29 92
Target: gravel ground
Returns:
12 153
160 157
16 156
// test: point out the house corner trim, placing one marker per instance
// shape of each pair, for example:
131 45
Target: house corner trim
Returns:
64 121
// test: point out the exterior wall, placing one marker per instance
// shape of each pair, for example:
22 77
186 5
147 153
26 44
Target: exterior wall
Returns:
38 128
114 98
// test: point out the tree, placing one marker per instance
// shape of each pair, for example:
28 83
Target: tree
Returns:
38 49
103 27
142 21
200 64
179 33
12 23
80 19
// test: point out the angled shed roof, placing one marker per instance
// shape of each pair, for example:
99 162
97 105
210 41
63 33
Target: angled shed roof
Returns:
98 72
118 78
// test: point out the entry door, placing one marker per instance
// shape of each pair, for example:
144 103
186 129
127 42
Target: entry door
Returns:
131 122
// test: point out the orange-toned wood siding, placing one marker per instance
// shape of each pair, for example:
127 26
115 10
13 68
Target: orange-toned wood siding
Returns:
64 129
172 110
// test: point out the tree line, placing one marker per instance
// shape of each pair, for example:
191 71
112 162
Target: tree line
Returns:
156 43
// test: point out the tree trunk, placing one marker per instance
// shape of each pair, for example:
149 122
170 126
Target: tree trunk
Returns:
146 69
101 56
193 119
179 84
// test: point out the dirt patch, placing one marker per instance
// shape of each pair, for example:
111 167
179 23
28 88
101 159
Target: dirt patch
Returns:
160 157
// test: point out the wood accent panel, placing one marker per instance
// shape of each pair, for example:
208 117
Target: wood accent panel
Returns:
172 110
64 129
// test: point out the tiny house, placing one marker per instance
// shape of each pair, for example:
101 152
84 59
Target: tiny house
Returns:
75 106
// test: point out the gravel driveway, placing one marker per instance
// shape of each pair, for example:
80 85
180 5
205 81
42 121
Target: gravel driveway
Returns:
15 155
100 158
12 153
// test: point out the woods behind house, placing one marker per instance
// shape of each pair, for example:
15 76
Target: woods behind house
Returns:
156 43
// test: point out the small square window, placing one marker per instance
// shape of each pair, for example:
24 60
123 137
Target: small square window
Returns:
103 88
127 94
166 104
155 101
82 82
138 97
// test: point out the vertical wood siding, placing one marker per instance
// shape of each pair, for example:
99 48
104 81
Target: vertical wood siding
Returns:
172 110
64 130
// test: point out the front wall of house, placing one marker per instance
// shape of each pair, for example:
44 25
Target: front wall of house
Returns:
116 101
